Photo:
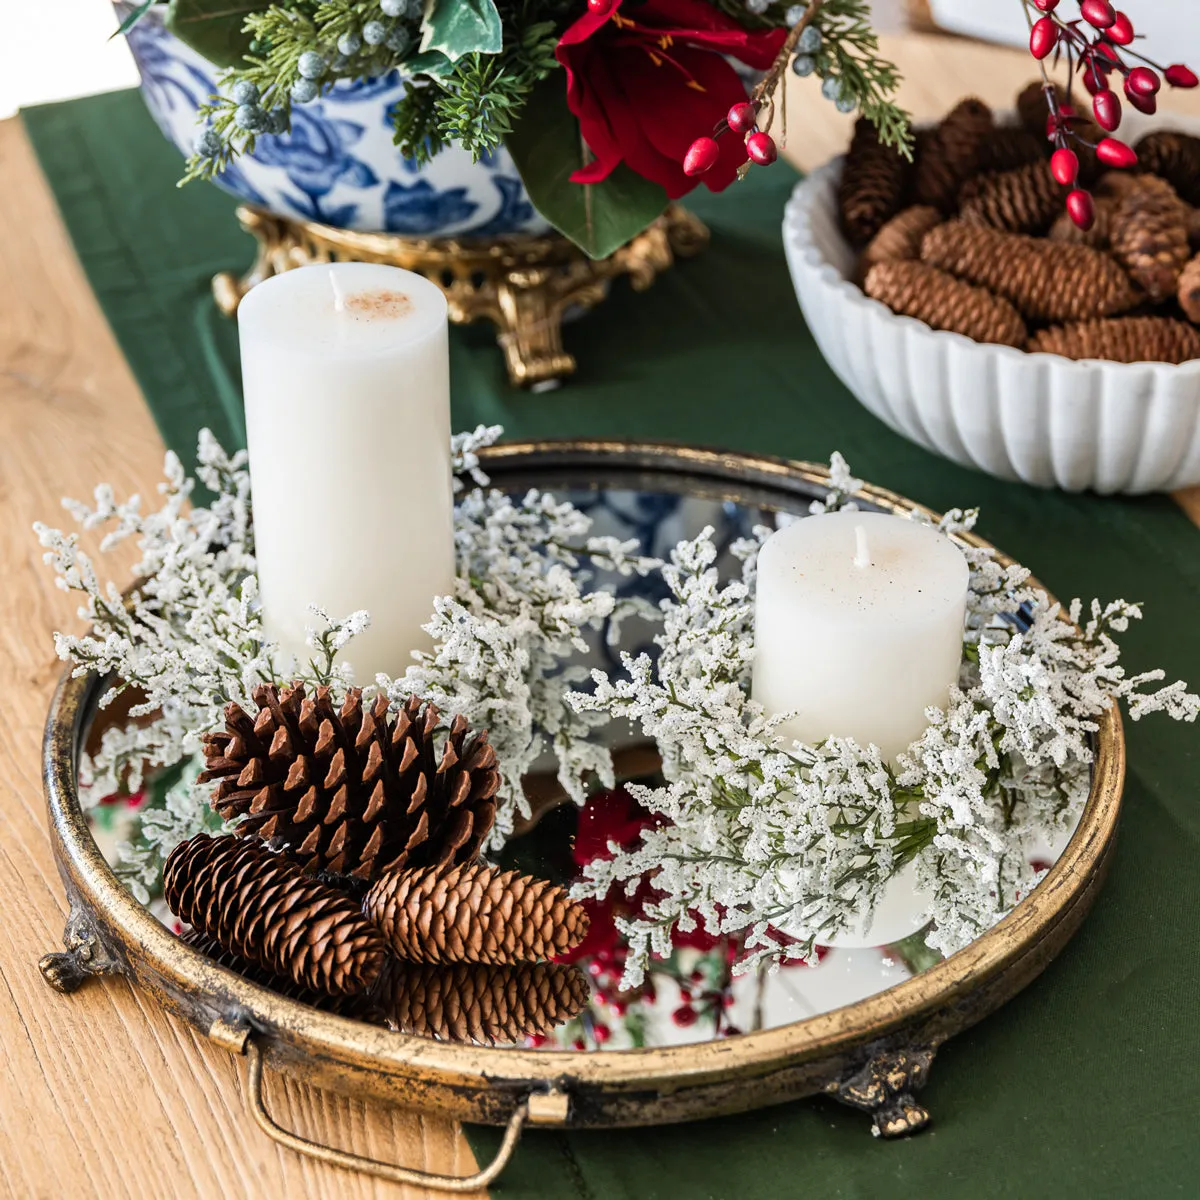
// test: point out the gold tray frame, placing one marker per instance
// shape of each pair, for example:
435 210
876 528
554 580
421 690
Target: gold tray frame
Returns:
873 1055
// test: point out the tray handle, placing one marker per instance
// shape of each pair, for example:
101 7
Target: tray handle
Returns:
539 1108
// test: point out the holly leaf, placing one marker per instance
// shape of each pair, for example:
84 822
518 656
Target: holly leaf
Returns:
458 27
548 149
214 27
434 64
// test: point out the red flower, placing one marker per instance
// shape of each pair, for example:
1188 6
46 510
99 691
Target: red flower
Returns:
646 85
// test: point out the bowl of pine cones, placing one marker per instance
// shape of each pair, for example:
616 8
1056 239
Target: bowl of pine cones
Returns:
965 306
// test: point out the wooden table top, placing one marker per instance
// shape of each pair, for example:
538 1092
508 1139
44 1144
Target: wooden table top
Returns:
103 1093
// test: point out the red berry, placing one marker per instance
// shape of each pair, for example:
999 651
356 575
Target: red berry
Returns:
579 1044
1121 30
701 155
1064 166
1143 81
1045 5
1177 75
1081 209
1043 37
761 148
534 1040
741 117
601 7
731 1031
1098 13
1113 153
1144 104
601 1033
1094 79
1107 110
684 1015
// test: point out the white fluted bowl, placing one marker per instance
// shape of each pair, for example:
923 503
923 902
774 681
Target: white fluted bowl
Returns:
1040 418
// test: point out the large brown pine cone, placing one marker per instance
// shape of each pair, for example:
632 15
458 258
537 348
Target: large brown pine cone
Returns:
872 186
474 913
1150 236
1189 290
261 906
1174 157
1045 281
1123 339
356 790
913 289
1025 200
1009 146
480 1002
952 153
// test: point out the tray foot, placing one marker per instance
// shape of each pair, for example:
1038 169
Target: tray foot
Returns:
84 957
884 1084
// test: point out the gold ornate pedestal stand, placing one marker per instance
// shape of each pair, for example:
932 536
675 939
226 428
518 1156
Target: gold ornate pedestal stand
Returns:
522 283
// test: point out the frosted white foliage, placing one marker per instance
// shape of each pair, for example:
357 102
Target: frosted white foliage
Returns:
760 836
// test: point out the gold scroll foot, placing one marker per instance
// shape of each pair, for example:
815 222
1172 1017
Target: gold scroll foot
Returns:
884 1085
84 958
524 284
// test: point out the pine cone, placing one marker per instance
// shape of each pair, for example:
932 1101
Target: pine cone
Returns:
1174 157
1150 236
474 913
1046 281
952 154
1125 339
1194 228
872 185
261 906
355 792
1033 108
1022 201
361 1007
480 1002
1189 290
900 238
913 289
1009 146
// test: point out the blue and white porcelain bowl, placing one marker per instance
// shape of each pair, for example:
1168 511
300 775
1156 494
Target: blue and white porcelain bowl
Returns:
338 165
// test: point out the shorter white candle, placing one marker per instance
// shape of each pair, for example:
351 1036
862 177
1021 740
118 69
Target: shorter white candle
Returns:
858 627
346 374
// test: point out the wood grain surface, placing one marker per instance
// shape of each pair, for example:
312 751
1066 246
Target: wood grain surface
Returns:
102 1094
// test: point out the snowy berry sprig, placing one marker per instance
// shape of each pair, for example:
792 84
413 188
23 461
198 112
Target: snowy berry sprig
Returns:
1097 46
833 39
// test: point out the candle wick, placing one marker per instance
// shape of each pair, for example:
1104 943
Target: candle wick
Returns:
862 553
339 296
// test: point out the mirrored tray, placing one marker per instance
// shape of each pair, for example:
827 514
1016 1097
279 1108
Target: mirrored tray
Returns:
862 1025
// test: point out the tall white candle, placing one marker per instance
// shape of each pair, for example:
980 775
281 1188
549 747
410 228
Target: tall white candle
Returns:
345 369
858 629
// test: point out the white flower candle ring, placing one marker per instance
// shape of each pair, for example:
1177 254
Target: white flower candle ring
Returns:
345 369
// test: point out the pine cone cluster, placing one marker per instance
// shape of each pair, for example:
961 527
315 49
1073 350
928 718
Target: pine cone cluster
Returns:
479 1002
981 243
259 905
474 913
353 790
873 183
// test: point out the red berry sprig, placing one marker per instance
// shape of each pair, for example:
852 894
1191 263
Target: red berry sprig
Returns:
1097 46
741 119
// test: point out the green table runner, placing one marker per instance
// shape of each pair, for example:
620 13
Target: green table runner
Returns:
1088 1084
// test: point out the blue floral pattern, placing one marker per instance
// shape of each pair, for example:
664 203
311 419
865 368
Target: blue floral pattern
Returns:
338 165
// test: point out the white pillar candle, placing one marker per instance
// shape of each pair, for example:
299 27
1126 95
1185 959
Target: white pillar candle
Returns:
858 629
346 375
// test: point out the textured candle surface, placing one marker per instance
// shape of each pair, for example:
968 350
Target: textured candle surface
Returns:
345 369
858 648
